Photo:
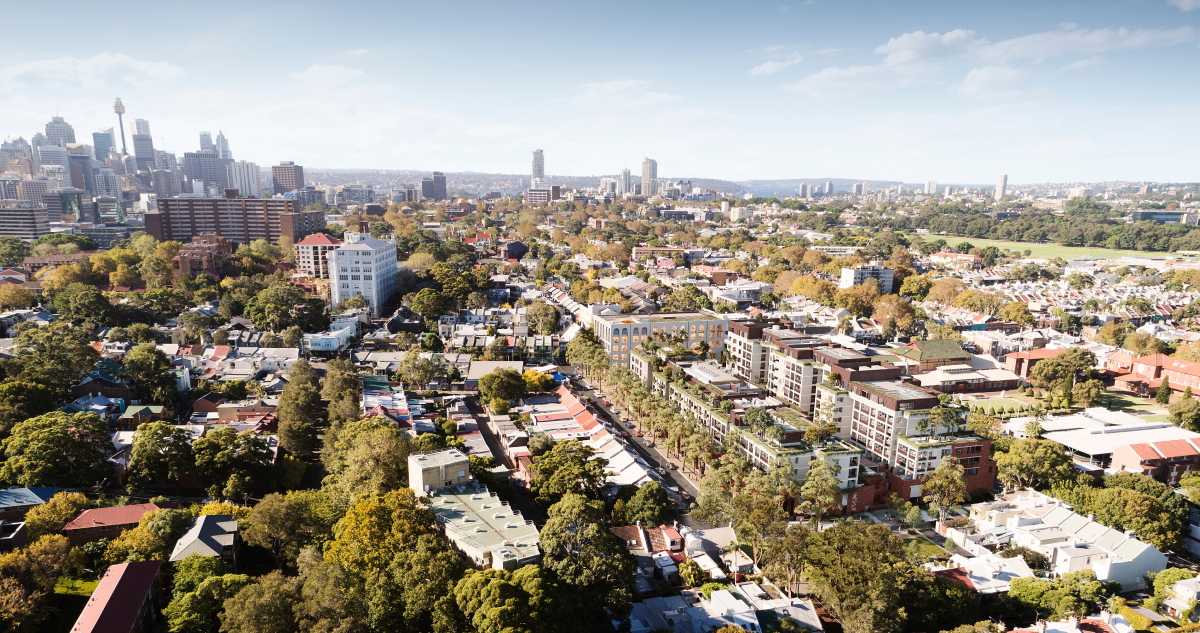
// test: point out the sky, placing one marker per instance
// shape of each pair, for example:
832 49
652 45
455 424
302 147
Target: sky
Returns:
956 92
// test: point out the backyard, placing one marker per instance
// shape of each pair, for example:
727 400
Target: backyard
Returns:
68 601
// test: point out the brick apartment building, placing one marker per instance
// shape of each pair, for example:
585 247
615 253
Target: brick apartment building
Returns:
240 220
206 253
1165 461
97 523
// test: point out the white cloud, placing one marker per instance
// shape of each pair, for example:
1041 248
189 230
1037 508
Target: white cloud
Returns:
622 93
1039 46
920 46
98 71
1185 5
990 80
854 79
326 74
774 66
357 52
1083 63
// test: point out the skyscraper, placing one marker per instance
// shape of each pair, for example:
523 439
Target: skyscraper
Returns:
103 142
245 177
288 176
931 187
108 183
141 126
539 164
119 108
1001 186
828 187
143 149
15 148
206 144
649 175
223 146
859 188
805 191
206 167
439 186
60 132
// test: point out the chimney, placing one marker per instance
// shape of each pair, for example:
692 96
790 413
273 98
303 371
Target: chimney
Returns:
1092 516
1106 616
1073 620
1040 627
364 226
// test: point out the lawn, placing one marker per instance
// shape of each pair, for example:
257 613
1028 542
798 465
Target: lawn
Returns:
1047 250
67 603
1119 400
996 403
922 548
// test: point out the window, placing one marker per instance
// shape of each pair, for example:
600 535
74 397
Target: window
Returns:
971 471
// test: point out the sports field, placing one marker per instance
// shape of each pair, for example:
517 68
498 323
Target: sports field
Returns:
1045 250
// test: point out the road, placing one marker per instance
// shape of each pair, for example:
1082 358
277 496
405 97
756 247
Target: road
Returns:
652 456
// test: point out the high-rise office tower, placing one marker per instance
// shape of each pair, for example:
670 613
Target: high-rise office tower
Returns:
288 176
206 144
439 186
805 191
119 108
623 183
931 187
539 164
141 126
102 143
15 148
649 175
1001 186
828 187
205 167
222 146
427 188
60 132
168 162
143 149
108 183
245 177
859 188
51 155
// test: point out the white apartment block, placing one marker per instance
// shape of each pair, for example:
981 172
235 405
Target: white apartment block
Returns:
874 270
244 176
363 266
312 254
883 412
619 334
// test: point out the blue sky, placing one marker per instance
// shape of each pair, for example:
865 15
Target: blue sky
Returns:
950 91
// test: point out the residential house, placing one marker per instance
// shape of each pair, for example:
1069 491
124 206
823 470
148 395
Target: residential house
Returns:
97 523
213 535
16 502
1166 461
1021 363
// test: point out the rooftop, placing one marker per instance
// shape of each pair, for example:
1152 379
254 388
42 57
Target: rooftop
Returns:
897 389
479 518
113 605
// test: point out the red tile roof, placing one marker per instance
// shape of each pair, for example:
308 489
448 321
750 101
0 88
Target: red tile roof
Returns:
116 603
1038 354
1175 448
320 239
1144 451
116 515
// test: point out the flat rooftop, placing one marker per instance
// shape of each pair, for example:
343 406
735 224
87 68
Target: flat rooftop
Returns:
708 373
842 353
477 517
440 458
898 390
659 316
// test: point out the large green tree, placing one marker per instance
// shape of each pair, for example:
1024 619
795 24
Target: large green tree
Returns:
161 452
577 546
21 401
502 384
859 572
57 356
58 449
569 467
649 505
229 463
1033 463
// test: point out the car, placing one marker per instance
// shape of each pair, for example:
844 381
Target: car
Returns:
660 470
674 467
607 403
638 433
629 425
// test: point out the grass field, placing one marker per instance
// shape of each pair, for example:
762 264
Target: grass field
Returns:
1121 401
67 603
1046 250
922 548
996 403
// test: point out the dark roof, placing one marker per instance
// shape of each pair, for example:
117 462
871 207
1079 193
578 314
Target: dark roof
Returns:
14 497
116 603
937 349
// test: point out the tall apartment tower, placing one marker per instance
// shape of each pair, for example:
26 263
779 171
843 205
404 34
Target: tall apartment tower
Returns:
623 182
245 177
143 147
288 176
539 164
60 132
828 187
102 143
206 144
649 175
805 191
1001 186
439 186
931 187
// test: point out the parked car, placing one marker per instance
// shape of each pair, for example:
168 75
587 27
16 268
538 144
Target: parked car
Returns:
674 467
607 403
638 433
629 425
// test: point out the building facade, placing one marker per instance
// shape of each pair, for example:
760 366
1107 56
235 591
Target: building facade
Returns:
287 176
246 177
311 254
363 266
859 274
623 332
23 219
242 220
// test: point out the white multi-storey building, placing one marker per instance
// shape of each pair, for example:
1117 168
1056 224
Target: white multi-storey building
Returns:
244 176
1001 186
620 333
874 270
312 254
364 266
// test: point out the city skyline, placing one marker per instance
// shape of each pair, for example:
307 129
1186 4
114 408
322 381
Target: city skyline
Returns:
959 92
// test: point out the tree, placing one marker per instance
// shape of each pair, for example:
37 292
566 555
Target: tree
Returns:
495 601
378 527
1185 413
1053 373
418 372
577 546
824 424
58 449
266 606
292 336
419 587
502 384
786 556
21 401
57 356
536 382
858 300
691 573
81 302
859 572
649 505
201 588
1035 559
1164 392
13 251
945 487
946 290
284 524
369 456
916 287
569 467
429 303
1017 312
820 489
161 452
226 461
14 297
1033 463
1088 393
299 409
51 517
